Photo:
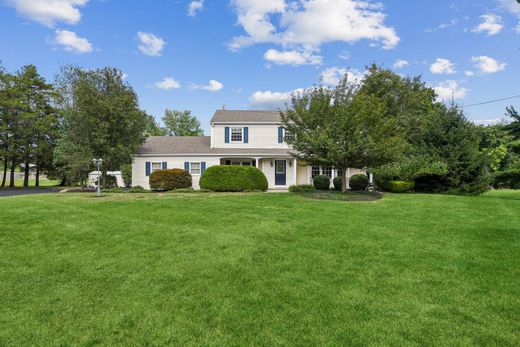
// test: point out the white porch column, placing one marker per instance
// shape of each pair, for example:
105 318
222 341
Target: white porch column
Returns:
256 163
295 170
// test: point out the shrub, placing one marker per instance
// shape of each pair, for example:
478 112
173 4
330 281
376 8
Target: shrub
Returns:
302 188
321 182
400 186
337 182
126 173
115 190
170 179
507 179
110 181
230 178
358 182
432 183
137 189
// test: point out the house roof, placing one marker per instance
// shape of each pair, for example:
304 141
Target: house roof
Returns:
246 116
197 145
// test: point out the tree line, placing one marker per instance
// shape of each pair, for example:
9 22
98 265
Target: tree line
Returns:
58 128
395 127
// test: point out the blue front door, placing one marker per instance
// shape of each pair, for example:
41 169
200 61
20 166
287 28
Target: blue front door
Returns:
280 174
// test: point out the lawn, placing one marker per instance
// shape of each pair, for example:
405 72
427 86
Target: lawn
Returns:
259 269
44 182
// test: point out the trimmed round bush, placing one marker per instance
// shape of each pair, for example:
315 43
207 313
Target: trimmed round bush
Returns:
170 179
321 182
358 182
230 178
400 186
137 189
302 188
337 182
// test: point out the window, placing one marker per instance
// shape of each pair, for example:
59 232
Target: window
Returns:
280 167
236 134
315 171
156 166
288 136
326 171
195 168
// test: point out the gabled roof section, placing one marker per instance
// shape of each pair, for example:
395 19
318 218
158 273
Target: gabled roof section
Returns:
246 116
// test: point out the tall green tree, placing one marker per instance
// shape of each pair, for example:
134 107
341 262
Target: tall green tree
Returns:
181 123
342 128
153 128
101 118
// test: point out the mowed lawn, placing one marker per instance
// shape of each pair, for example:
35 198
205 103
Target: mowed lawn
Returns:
259 269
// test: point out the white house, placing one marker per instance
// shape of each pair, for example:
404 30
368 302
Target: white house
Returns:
253 138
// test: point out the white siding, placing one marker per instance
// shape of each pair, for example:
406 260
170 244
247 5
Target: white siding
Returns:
139 177
260 136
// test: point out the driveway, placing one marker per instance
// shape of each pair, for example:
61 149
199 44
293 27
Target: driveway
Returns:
24 191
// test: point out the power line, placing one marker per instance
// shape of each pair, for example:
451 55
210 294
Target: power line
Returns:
492 101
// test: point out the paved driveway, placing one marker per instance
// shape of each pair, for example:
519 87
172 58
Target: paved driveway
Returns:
24 191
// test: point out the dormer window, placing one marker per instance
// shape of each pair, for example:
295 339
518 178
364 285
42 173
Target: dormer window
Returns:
237 134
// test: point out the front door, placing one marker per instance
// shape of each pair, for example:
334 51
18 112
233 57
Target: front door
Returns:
280 174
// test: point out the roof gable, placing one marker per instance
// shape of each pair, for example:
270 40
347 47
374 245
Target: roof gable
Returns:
246 116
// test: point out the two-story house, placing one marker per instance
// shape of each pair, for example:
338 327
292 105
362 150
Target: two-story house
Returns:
253 138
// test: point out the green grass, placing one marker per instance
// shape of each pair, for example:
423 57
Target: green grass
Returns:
44 182
259 269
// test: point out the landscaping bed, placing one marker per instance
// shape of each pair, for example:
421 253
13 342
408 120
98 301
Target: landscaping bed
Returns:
361 195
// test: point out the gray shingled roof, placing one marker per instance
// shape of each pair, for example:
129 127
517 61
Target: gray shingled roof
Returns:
171 145
244 116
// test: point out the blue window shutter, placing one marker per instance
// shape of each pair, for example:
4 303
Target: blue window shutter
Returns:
187 166
280 135
202 167
227 134
148 168
246 134
164 165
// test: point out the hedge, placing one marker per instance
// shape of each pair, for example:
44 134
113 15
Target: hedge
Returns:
338 183
507 179
321 182
170 179
302 188
231 178
399 186
358 182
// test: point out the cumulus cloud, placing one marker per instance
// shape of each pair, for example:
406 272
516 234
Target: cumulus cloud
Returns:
167 83
491 24
195 6
292 57
212 86
487 64
271 100
72 42
514 8
449 89
150 44
442 66
469 73
330 77
304 25
49 12
400 63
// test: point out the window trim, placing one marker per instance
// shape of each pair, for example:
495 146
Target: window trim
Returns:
284 138
241 135
200 168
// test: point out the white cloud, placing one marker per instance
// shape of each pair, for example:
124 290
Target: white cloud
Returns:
442 66
514 8
167 83
195 6
212 86
491 23
469 73
487 64
400 63
332 76
49 12
150 44
449 89
271 100
292 57
72 42
305 25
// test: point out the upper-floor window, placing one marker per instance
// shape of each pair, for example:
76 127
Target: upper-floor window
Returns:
237 134
287 135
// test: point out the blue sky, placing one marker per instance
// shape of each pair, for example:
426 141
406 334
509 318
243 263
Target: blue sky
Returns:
201 55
